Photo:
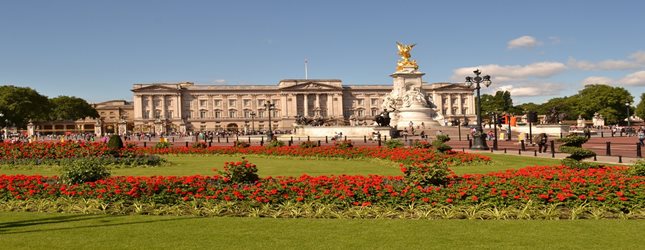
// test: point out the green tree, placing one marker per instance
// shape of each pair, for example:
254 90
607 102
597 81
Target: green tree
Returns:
21 104
640 109
71 108
559 104
607 100
500 102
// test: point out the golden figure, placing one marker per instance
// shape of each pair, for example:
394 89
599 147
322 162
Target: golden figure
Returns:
404 52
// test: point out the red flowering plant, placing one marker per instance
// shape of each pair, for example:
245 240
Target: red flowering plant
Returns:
240 172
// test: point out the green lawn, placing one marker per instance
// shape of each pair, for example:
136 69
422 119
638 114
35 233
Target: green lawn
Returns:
282 166
64 231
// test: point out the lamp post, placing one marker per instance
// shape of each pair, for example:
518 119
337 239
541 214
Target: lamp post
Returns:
478 138
629 123
269 107
252 122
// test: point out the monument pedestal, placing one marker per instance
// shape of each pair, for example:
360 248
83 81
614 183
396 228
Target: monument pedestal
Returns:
416 115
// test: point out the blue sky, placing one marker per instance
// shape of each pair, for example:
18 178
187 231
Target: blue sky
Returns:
537 49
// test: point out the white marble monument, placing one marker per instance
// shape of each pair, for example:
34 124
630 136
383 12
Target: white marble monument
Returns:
408 103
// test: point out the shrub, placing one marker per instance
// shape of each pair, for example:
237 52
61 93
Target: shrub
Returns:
164 144
308 144
638 169
85 170
241 144
200 144
425 174
240 172
394 143
343 144
572 144
572 163
443 138
577 153
275 143
421 144
115 143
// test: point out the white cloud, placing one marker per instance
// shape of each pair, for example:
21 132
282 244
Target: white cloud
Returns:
509 73
634 79
597 80
535 89
638 56
219 81
523 42
603 65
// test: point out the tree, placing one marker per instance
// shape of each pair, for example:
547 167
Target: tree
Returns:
500 102
20 104
606 100
561 105
640 109
71 108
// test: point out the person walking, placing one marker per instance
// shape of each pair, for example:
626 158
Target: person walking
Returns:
641 136
543 138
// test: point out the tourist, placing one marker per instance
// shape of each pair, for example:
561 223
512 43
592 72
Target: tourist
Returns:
542 140
491 135
641 136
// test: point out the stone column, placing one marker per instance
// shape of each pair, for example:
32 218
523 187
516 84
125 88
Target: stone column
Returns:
306 102
328 106
163 106
179 106
151 108
283 105
460 106
449 110
138 106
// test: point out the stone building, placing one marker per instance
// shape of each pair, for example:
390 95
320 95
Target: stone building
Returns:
115 117
184 107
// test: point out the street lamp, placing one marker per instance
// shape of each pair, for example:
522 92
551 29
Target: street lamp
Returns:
252 122
269 107
629 124
478 138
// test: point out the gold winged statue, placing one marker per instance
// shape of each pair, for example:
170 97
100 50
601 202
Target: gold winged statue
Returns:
404 52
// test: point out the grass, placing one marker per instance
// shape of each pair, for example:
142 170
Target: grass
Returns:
61 231
267 166
182 165
501 162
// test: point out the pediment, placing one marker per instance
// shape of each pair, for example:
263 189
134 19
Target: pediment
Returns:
155 88
453 86
310 86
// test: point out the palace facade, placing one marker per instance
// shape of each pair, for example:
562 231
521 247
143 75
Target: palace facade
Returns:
183 107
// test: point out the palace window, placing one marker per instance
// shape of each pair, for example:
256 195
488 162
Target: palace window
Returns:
169 102
218 114
260 113
202 114
360 102
169 114
374 102
232 103
247 113
202 103
275 113
247 103
360 112
157 113
232 113
261 102
217 103
374 112
276 102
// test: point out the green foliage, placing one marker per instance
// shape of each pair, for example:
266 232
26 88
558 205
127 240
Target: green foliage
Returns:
421 144
425 174
640 108
308 144
164 144
443 138
573 140
240 172
638 169
607 100
572 144
394 143
275 143
241 144
572 163
85 170
115 143
501 101
71 108
20 104
343 144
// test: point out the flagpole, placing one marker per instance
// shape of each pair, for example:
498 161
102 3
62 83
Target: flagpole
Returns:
306 76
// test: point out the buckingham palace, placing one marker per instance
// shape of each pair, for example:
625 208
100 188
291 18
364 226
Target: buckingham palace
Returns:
184 107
